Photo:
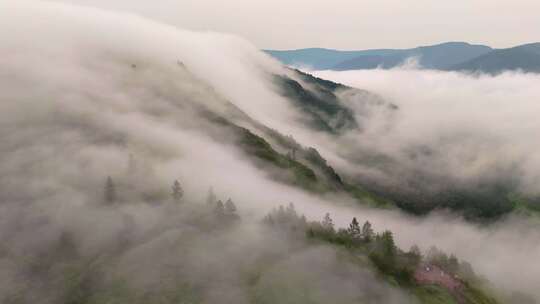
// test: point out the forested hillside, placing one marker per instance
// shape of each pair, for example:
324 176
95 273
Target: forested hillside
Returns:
142 163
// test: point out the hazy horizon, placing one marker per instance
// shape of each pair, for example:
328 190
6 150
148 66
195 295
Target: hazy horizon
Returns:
147 160
346 24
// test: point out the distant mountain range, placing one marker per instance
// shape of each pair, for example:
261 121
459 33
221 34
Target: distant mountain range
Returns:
450 56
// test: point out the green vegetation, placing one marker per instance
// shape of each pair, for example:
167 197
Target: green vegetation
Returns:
288 162
303 167
525 206
481 202
433 294
395 266
322 106
370 198
292 260
477 296
328 179
302 175
280 167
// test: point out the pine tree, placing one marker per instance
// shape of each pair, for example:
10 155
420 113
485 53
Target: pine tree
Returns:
110 191
230 210
437 257
211 197
291 212
177 191
281 215
327 222
415 250
230 207
303 221
388 245
367 232
433 254
219 210
354 229
453 264
466 271
415 254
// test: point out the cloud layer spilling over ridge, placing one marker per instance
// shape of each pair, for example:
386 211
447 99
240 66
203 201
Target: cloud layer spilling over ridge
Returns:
86 94
468 127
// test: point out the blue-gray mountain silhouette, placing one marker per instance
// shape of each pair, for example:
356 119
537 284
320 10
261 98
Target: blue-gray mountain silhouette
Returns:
454 56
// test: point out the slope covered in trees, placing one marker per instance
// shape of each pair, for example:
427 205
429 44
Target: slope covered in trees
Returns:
109 147
431 278
422 191
200 252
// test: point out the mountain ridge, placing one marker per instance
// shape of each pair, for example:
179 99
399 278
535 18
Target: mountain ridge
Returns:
523 57
447 56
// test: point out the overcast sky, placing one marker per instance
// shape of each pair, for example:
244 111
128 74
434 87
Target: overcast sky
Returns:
348 24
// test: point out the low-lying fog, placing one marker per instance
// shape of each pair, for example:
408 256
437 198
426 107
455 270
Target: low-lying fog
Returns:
473 125
83 91
477 127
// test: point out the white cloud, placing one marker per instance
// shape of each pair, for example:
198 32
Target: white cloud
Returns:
73 108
